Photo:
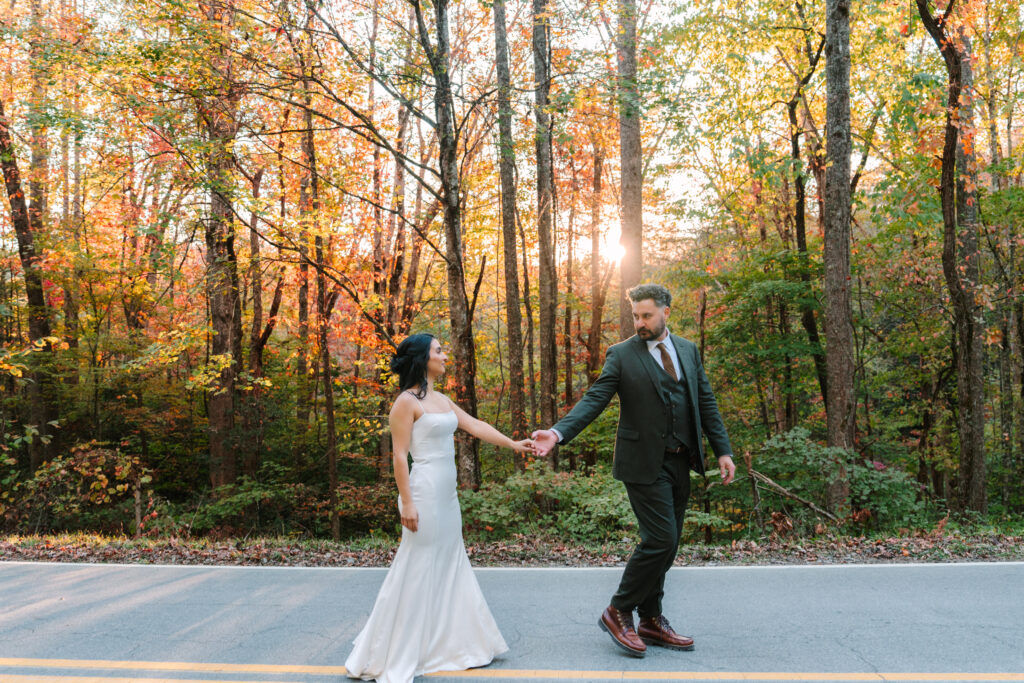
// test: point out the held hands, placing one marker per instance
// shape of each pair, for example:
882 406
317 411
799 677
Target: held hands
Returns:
543 441
526 446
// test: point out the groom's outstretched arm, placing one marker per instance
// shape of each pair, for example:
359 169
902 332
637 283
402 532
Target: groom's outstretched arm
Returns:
594 401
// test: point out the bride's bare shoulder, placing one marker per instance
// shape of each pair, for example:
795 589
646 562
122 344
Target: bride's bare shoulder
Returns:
405 405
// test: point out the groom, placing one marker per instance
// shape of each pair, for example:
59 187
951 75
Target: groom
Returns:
666 403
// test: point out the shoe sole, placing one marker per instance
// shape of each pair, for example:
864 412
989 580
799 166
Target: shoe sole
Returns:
635 653
658 643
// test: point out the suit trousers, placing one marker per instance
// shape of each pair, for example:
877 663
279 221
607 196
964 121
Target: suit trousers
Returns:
660 508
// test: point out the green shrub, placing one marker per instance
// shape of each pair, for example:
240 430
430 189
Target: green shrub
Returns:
881 496
574 505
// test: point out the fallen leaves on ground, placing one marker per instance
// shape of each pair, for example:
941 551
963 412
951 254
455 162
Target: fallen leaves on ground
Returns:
520 551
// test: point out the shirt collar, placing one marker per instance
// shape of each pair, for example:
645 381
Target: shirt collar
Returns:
653 343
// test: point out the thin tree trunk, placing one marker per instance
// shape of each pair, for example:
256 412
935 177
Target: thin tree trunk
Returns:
567 338
307 216
839 352
547 285
631 161
324 315
807 319
528 308
598 285
960 268
460 315
27 225
506 166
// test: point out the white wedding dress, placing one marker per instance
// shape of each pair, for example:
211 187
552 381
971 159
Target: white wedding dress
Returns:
430 614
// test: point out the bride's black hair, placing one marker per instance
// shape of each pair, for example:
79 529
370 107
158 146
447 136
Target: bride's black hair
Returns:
410 362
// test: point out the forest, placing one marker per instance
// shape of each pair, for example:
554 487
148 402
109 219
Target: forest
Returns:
221 217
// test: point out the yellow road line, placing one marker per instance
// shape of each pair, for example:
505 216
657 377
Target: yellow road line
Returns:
15 662
11 678
558 674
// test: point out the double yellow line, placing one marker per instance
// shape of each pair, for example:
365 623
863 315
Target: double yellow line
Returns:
333 671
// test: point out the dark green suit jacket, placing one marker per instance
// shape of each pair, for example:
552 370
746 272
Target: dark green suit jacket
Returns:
631 372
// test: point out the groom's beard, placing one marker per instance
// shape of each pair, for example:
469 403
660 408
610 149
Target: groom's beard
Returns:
653 333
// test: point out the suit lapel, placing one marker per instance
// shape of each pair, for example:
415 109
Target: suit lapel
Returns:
647 360
689 372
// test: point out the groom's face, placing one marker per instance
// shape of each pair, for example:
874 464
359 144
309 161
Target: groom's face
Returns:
649 319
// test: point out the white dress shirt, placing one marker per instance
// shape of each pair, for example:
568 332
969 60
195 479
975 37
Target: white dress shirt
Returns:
652 346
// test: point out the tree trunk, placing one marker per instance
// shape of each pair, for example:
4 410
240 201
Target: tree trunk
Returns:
462 344
960 268
218 115
971 342
546 281
807 319
841 414
307 216
631 158
507 171
324 317
27 224
598 285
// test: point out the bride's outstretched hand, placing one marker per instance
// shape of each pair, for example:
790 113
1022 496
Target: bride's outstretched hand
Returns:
524 446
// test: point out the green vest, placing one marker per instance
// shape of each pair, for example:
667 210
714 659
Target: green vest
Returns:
678 423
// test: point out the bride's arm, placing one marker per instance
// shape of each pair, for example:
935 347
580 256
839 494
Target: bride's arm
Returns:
486 432
403 412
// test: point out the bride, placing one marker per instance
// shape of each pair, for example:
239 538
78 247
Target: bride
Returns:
430 614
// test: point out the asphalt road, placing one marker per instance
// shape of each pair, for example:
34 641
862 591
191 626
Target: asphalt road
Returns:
85 623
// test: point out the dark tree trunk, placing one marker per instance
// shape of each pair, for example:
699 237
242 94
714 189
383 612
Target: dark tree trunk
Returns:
598 284
961 270
807 319
218 116
27 225
972 342
631 161
546 281
507 171
841 420
324 316
307 218
462 344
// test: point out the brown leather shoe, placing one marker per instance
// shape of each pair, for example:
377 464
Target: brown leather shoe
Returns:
657 631
619 626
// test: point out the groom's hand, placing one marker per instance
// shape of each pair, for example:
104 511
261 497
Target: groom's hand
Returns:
543 441
727 467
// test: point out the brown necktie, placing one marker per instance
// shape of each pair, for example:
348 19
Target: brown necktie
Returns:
666 362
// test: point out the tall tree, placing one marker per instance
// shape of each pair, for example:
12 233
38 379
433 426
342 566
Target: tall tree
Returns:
796 130
598 282
507 172
841 416
547 277
28 227
631 160
960 262
217 106
459 308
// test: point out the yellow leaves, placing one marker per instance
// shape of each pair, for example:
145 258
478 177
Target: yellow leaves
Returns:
207 376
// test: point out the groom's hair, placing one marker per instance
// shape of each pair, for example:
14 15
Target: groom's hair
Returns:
661 296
